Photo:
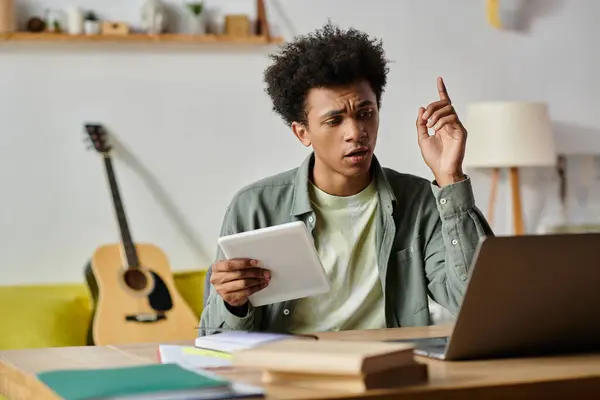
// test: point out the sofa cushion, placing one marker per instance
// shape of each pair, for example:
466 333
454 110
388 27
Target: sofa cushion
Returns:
44 315
191 286
53 315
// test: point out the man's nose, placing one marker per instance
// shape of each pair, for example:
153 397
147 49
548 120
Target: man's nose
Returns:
355 131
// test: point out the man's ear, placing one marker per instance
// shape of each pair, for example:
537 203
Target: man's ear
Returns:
301 133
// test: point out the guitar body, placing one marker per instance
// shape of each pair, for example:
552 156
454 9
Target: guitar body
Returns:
133 305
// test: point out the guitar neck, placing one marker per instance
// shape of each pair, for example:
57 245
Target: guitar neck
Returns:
130 251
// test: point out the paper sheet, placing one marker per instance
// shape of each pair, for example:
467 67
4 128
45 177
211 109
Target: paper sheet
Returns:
190 357
199 360
229 342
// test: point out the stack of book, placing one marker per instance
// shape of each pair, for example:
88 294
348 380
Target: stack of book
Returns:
354 366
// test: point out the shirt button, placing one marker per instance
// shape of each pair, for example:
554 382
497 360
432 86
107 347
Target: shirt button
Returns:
443 201
286 311
311 219
454 242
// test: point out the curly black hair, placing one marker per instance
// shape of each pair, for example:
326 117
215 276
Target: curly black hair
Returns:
326 57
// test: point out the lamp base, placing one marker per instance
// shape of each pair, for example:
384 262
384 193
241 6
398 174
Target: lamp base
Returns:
515 189
518 223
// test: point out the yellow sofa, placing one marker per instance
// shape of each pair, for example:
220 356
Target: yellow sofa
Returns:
58 315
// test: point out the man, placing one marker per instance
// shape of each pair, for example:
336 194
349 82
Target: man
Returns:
387 240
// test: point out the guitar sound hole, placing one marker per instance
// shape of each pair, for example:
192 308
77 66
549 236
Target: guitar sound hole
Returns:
135 279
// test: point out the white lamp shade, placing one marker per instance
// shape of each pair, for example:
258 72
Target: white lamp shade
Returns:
509 134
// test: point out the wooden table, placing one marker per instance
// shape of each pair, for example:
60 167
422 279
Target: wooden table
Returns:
565 377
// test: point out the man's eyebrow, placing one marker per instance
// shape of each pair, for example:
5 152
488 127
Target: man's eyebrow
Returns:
333 113
366 103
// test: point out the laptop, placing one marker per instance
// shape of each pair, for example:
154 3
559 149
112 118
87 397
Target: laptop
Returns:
526 296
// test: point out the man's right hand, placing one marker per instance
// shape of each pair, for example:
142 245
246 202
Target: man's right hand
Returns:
235 280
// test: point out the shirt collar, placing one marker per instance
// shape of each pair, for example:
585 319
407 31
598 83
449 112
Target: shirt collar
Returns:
301 202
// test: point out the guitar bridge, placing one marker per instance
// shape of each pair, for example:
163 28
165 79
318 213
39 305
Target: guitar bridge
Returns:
146 318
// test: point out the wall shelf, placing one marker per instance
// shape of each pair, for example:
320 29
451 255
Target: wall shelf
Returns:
138 38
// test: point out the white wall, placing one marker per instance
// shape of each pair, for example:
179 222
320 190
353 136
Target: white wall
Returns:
196 124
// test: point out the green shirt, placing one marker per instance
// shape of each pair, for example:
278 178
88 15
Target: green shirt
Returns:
426 237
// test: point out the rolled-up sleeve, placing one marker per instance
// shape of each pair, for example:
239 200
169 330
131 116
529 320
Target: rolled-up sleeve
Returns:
454 234
217 318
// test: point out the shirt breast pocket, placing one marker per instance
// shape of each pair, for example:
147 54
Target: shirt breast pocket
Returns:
406 254
412 286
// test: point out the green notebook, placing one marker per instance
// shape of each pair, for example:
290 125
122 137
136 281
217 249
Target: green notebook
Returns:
156 381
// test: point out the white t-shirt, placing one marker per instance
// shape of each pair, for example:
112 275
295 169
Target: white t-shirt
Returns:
345 240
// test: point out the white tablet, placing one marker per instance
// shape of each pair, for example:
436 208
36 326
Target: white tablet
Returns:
287 251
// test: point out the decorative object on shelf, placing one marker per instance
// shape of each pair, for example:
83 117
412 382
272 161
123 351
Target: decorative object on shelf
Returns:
213 18
91 24
115 28
35 24
74 21
237 25
7 16
154 17
509 135
53 21
198 21
262 26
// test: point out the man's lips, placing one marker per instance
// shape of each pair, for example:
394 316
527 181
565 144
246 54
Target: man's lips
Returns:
361 151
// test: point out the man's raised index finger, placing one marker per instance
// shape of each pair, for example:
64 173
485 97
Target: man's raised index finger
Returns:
442 90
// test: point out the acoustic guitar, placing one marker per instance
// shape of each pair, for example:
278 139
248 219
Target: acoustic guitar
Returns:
134 295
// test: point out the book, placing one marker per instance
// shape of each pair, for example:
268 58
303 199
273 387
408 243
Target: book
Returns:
353 366
333 357
228 342
411 374
148 382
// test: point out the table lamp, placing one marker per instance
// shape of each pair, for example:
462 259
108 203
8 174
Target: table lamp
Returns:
509 134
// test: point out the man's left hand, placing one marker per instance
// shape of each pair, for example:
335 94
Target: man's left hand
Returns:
443 151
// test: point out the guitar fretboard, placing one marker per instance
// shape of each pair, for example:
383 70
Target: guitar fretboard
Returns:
128 246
